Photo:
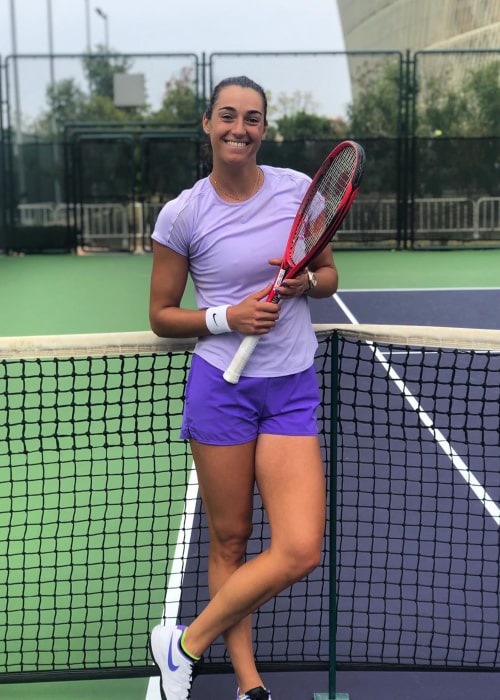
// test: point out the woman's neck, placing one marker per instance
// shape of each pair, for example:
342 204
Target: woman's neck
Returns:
237 189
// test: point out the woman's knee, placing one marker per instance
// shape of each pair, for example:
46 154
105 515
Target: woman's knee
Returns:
302 559
230 545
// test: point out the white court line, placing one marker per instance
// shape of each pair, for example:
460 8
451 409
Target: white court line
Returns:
365 290
176 577
179 561
479 491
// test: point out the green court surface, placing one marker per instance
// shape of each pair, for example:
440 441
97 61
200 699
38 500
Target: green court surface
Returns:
91 294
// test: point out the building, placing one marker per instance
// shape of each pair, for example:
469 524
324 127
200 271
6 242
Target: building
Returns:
415 25
463 34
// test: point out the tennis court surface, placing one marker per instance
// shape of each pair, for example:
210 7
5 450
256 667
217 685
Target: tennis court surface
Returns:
417 526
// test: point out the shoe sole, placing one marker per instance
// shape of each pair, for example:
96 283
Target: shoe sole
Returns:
152 646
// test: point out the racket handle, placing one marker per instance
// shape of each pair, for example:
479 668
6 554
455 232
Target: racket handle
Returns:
240 359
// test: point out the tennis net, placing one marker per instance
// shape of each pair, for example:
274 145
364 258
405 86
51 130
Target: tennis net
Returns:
103 530
418 450
104 534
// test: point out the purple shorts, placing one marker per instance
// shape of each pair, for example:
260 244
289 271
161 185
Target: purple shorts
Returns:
218 413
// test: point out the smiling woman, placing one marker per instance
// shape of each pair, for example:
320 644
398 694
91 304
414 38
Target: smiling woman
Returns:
228 233
236 129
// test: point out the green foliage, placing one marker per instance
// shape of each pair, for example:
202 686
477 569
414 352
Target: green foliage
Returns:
450 104
100 108
293 117
441 111
484 89
66 103
99 69
293 103
180 103
309 126
465 108
451 108
375 109
69 103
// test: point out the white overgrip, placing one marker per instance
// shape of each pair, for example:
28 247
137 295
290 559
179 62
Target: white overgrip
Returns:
240 359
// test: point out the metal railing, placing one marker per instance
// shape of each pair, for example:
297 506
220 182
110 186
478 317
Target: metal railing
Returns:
439 218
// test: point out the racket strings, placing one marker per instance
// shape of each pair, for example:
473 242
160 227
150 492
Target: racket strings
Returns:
322 208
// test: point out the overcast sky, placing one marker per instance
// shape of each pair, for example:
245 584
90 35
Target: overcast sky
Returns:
191 26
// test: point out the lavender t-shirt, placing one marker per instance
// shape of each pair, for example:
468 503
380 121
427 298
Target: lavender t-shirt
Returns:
228 246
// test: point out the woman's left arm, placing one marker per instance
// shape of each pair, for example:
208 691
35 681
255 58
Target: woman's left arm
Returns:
325 275
324 282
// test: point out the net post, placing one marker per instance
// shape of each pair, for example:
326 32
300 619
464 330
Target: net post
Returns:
332 624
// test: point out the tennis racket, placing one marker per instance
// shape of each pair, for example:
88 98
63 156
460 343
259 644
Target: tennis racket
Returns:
321 212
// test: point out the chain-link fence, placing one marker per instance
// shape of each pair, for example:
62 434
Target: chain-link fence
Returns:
92 145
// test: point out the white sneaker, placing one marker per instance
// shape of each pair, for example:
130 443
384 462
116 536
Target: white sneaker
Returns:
259 693
176 669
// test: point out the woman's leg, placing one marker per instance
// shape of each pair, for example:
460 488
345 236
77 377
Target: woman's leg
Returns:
289 472
226 477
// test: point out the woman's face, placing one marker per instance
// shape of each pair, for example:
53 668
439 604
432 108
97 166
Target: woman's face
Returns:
237 125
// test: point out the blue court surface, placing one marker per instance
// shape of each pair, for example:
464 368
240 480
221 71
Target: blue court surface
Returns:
454 308
471 308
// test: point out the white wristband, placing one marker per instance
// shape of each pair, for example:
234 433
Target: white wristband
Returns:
216 319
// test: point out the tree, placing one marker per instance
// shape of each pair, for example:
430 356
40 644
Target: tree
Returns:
66 102
441 112
457 113
285 104
99 69
69 103
180 104
99 108
293 117
483 86
375 110
309 126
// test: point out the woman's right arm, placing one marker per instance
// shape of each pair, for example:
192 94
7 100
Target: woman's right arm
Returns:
168 282
169 320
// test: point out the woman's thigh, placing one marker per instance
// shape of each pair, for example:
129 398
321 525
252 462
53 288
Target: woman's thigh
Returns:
291 481
226 477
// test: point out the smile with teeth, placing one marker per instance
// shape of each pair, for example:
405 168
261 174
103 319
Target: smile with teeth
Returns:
237 144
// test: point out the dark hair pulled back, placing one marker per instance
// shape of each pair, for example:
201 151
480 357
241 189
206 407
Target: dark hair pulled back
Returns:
239 81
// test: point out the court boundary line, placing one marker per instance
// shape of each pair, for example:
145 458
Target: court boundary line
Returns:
176 578
492 508
421 289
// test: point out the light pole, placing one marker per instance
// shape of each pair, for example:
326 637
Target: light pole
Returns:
57 188
106 30
50 32
87 25
18 130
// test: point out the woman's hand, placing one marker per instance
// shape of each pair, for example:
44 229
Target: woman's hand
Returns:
295 287
252 316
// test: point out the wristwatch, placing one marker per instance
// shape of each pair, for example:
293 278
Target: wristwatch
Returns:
312 279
